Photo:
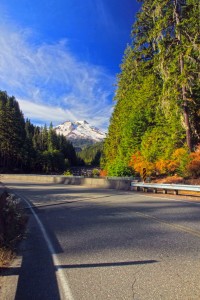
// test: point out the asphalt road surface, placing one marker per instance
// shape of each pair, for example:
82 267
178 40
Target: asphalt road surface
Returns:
85 244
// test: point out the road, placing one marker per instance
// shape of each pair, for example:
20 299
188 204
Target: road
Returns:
85 244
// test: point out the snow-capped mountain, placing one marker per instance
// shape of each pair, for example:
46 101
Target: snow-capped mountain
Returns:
80 130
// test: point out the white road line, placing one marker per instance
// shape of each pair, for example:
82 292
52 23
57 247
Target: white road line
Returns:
66 291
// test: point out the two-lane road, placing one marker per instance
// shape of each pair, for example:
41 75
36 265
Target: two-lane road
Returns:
86 244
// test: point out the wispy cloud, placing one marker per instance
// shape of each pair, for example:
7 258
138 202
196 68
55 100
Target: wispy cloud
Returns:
104 18
50 82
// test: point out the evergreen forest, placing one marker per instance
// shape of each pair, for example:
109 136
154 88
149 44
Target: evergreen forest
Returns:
91 155
155 123
156 119
26 148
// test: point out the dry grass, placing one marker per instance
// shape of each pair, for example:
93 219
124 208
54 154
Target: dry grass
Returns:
13 225
177 180
6 256
193 181
180 180
170 179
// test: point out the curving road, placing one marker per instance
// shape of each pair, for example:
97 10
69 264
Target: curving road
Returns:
86 244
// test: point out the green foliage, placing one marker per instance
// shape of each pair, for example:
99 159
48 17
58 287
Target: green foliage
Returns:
119 169
92 154
28 148
67 173
52 161
82 143
95 172
12 133
158 91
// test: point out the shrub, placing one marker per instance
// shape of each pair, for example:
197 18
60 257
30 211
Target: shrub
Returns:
166 167
162 166
181 163
95 172
193 166
67 173
181 158
119 168
103 173
13 220
177 164
138 163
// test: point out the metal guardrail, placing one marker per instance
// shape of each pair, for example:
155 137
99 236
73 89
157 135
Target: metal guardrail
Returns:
165 187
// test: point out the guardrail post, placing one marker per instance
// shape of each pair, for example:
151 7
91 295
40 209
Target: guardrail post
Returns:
155 191
164 191
175 192
144 174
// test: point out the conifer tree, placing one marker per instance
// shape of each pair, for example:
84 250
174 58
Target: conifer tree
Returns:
12 132
157 97
28 148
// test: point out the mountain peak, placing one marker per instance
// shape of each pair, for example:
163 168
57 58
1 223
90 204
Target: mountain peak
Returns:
80 130
82 122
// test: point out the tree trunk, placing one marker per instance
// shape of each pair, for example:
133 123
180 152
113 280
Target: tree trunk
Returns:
185 109
177 4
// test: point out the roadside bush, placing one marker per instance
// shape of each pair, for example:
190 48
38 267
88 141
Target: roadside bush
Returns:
119 168
67 173
180 159
12 225
138 162
193 166
103 173
13 220
162 166
176 165
95 172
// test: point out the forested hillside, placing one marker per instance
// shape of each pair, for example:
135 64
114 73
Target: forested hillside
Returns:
91 155
156 120
28 148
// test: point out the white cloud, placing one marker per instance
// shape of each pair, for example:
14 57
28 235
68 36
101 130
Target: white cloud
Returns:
44 112
50 83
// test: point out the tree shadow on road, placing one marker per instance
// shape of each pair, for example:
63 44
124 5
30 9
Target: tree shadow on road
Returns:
37 273
92 230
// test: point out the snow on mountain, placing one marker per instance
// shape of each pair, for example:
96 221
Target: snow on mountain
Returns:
80 130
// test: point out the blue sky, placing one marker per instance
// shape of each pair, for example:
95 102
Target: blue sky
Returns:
59 58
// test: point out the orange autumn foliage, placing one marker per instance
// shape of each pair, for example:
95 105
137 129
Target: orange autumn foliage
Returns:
138 162
103 173
165 166
181 163
194 165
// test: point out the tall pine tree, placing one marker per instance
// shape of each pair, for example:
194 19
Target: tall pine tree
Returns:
157 97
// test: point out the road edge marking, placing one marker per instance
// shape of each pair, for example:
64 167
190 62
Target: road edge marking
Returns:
66 291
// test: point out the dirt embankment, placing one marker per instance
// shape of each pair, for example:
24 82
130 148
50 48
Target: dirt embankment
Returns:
177 180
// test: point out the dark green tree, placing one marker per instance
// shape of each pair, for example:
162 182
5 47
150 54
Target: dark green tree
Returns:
157 96
12 133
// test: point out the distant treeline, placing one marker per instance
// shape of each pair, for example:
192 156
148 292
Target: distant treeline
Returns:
28 148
